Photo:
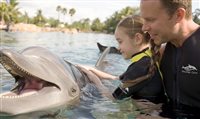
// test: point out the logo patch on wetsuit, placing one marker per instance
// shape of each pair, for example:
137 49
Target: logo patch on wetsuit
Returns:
189 69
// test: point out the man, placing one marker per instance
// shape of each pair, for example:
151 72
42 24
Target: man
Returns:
170 21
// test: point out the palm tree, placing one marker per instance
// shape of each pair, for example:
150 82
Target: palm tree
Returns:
4 14
14 10
26 17
58 9
72 11
39 18
9 12
64 11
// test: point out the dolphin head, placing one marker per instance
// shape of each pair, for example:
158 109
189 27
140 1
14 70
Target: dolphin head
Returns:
43 81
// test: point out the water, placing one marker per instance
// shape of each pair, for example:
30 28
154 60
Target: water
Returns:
78 48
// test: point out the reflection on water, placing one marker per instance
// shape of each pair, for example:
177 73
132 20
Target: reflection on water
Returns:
6 37
78 48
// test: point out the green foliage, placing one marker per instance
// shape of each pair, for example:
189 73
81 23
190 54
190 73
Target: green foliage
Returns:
9 12
24 18
97 25
111 23
39 19
83 25
53 22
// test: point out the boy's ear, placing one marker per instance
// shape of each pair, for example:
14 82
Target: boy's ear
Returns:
138 38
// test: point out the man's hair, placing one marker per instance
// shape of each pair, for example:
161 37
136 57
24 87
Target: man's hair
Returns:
172 5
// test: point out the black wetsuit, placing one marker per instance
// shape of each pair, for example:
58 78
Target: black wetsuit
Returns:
150 89
181 73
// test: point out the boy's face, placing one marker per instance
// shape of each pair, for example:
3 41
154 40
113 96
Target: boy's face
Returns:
157 21
126 44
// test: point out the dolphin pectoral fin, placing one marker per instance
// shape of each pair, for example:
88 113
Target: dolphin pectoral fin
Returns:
112 49
101 47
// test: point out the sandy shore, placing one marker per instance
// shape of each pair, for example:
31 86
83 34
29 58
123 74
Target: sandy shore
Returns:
33 28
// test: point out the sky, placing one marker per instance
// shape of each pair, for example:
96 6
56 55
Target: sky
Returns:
92 9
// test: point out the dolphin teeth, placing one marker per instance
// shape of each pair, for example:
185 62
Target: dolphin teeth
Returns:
17 96
11 66
6 97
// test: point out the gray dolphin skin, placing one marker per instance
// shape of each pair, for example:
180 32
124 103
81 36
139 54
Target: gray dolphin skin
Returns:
43 81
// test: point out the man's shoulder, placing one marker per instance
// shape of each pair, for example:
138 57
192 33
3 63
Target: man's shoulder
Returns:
196 33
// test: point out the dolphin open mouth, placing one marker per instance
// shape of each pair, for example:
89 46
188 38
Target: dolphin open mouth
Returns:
26 84
43 82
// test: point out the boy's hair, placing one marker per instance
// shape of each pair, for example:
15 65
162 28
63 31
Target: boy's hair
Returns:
172 5
133 25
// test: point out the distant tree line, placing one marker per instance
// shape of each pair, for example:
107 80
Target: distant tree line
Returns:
10 14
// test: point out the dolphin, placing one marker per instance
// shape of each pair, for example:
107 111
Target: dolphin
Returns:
43 81
113 50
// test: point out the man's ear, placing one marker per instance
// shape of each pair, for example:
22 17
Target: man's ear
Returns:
138 38
180 14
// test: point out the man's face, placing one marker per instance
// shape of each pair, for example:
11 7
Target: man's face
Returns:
157 21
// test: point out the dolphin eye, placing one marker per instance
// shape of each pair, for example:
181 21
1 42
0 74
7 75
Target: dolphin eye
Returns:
73 91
